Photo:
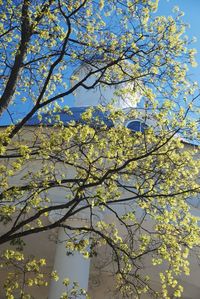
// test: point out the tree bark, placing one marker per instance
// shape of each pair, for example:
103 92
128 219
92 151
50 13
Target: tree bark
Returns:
10 88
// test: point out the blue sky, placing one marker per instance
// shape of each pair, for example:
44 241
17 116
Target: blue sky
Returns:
191 8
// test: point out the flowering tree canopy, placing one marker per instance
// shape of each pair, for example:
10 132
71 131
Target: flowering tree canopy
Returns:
144 180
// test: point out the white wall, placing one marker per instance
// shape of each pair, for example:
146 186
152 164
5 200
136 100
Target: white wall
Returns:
103 94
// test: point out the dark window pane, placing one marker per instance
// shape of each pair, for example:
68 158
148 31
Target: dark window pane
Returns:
134 126
137 126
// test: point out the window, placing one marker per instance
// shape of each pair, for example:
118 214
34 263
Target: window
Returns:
136 126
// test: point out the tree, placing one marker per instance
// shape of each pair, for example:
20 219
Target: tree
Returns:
118 43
